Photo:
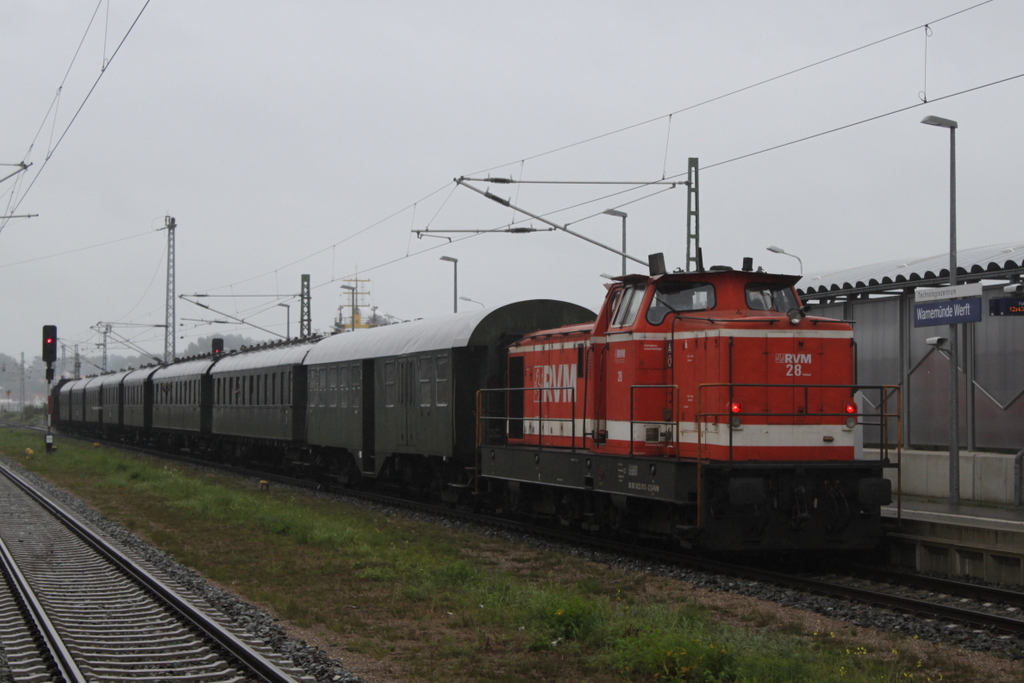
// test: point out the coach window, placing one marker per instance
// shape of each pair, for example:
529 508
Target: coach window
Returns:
343 387
442 379
323 387
771 296
389 383
313 387
629 305
679 297
356 376
332 384
426 381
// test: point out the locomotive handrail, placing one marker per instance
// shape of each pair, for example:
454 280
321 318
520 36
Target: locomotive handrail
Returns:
632 411
887 392
483 417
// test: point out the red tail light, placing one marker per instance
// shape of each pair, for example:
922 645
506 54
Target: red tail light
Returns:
851 408
734 407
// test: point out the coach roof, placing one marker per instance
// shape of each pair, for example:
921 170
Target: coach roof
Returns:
189 368
262 358
484 327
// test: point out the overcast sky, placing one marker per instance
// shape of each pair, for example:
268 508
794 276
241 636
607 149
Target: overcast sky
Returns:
314 137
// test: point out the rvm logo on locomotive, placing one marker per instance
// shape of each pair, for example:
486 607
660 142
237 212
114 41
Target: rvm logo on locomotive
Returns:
558 383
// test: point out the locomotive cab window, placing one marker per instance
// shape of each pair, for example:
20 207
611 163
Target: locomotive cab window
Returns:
680 297
628 305
771 296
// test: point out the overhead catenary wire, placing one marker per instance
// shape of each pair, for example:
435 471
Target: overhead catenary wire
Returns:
17 200
605 196
522 161
737 91
623 129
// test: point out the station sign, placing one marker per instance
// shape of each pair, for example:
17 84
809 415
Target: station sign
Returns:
1006 306
947 293
947 312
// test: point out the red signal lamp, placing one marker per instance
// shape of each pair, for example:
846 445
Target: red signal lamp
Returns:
851 411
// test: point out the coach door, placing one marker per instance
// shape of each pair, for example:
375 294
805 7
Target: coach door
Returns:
408 401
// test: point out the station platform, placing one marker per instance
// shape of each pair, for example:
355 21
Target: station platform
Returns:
981 537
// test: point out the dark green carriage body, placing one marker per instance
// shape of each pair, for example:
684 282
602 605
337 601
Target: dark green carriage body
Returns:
183 397
411 388
261 395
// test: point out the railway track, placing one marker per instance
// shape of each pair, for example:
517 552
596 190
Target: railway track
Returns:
75 608
972 606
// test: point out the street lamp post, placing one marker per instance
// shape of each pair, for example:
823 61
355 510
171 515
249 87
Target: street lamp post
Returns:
455 263
779 250
288 321
954 361
353 290
622 215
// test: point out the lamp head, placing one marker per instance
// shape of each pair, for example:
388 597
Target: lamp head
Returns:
939 121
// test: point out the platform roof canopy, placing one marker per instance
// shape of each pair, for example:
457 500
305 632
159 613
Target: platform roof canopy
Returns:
995 262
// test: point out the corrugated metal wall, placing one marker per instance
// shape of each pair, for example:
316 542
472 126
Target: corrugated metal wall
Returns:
890 350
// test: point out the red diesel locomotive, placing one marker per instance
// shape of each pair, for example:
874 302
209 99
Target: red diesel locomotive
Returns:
704 406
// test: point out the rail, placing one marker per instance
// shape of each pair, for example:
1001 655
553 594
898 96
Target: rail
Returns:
259 666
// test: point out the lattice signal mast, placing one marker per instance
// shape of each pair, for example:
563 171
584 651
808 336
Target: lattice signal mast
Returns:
169 226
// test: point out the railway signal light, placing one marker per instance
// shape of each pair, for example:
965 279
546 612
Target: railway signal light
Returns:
218 346
49 344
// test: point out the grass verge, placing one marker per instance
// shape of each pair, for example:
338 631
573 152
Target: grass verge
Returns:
444 605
